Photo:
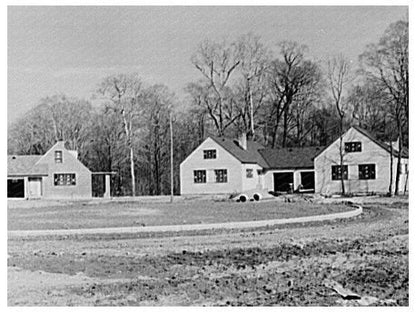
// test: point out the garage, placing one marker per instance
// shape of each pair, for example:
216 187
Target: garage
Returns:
283 181
15 188
308 180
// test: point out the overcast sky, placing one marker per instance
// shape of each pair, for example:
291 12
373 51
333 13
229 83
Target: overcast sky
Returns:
70 49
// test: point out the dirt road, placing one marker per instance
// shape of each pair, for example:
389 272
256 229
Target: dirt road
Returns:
286 265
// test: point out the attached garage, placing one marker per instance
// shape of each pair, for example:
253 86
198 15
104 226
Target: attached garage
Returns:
290 169
25 177
308 180
283 181
15 188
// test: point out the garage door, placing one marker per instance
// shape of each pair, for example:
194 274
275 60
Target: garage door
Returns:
308 180
15 188
282 181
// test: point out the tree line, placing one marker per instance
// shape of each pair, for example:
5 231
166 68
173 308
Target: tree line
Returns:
280 99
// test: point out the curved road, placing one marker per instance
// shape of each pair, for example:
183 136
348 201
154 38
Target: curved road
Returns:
188 227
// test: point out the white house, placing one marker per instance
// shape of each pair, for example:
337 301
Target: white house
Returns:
366 165
56 174
225 166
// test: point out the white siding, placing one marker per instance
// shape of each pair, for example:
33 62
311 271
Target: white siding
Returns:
251 183
371 153
83 186
224 160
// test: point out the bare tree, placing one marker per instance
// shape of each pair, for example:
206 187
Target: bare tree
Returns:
388 64
254 60
56 118
32 133
338 78
125 93
217 62
368 104
70 117
287 76
105 150
156 128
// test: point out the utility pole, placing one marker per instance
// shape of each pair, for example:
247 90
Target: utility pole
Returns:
171 157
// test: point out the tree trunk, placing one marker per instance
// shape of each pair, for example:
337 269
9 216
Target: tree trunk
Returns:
391 169
341 156
285 125
221 132
133 176
171 157
398 169
251 114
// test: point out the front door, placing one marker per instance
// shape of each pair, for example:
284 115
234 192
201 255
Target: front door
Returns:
35 187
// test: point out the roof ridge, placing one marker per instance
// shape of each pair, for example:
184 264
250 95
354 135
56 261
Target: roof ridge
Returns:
383 145
368 135
249 155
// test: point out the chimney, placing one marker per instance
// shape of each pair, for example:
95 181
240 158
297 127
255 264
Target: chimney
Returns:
395 144
242 140
74 153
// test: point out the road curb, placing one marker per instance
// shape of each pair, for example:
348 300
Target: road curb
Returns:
189 227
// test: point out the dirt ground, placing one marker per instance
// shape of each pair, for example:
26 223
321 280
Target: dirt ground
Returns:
286 266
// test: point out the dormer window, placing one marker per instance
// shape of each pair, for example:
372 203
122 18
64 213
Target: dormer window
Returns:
210 154
352 147
58 157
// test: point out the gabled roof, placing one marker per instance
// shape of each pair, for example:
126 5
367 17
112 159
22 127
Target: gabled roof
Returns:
251 155
24 165
290 158
270 158
383 145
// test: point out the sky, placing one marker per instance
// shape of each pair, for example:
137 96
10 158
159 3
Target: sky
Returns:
70 50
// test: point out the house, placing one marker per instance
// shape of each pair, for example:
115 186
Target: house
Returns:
289 169
224 166
56 174
366 165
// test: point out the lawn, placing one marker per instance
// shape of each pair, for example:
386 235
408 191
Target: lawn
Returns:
367 255
75 215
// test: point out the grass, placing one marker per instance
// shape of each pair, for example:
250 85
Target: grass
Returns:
368 255
124 214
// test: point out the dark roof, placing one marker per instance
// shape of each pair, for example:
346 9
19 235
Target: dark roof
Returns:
405 152
290 158
250 155
24 165
270 158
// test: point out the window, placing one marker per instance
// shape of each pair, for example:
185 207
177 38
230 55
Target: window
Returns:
64 179
200 176
210 154
337 171
367 172
221 176
249 173
351 147
58 156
